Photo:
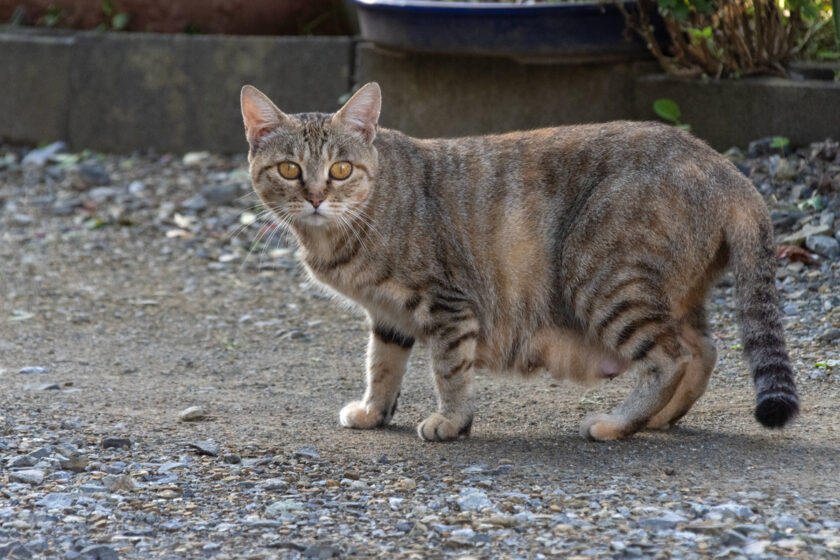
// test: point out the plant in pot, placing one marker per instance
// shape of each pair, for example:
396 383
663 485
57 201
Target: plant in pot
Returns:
734 38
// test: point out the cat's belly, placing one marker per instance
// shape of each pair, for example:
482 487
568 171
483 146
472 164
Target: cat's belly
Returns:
563 353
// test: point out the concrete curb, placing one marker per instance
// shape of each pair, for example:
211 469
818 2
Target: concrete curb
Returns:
735 112
122 92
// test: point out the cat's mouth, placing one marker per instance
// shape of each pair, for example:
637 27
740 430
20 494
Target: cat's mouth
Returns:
314 218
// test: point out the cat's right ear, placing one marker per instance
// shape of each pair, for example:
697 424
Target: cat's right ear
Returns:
261 116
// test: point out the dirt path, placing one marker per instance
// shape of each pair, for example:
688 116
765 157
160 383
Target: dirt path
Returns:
135 327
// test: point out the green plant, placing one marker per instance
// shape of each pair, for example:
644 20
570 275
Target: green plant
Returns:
53 16
729 38
835 12
118 21
780 142
670 111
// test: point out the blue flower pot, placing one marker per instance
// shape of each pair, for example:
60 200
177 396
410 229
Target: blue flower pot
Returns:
568 31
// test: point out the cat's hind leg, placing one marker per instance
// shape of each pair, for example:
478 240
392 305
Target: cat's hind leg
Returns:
695 334
387 355
453 365
660 358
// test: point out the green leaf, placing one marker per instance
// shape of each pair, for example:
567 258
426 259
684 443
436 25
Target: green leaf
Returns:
684 126
815 202
667 109
120 21
108 7
779 142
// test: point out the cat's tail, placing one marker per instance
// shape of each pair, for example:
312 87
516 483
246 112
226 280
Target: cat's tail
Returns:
753 260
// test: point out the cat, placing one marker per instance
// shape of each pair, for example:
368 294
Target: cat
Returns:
582 250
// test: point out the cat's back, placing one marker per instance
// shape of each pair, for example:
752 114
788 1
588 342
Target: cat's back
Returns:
559 160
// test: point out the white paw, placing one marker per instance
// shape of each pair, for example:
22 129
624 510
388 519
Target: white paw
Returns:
358 415
602 427
438 427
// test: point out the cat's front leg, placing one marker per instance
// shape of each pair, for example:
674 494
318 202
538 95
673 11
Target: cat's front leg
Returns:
453 366
387 355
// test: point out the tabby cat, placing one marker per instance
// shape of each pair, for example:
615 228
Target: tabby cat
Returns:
583 250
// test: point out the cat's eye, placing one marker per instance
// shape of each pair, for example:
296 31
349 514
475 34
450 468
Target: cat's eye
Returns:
341 170
289 170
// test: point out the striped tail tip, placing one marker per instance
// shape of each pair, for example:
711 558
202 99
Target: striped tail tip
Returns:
776 410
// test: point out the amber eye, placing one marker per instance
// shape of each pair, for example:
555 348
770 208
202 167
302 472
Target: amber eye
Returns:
341 170
289 170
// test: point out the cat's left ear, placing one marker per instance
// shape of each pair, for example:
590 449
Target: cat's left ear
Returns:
361 113
261 116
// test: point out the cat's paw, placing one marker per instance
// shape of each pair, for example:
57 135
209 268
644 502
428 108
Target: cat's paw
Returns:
438 427
359 415
603 427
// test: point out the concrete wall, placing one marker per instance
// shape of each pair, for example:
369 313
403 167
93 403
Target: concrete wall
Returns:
440 95
122 92
734 112
128 91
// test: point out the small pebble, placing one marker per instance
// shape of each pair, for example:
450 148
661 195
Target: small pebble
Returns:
191 414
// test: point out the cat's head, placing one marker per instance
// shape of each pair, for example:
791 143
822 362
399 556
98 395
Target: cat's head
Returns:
312 170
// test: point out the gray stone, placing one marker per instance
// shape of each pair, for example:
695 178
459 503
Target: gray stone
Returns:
732 509
117 467
761 147
829 335
196 202
21 461
91 174
231 458
99 552
208 447
308 452
664 522
166 467
116 442
221 194
801 236
41 156
48 387
14 550
119 483
57 500
283 507
76 463
473 500
20 219
93 488
786 521
823 245
33 370
733 538
41 452
275 484
321 551
29 476
191 414
790 309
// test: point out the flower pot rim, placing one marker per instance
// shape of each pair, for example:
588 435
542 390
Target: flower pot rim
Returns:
494 8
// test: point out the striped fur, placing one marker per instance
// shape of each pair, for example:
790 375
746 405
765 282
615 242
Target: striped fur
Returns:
582 250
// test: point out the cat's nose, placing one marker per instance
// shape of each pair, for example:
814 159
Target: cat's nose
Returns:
315 199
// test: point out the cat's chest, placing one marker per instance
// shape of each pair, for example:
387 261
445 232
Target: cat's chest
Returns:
385 301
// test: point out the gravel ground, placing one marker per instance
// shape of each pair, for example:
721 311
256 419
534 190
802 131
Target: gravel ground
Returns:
171 388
